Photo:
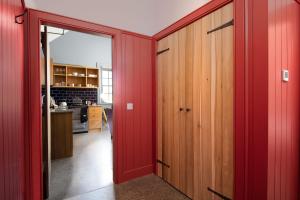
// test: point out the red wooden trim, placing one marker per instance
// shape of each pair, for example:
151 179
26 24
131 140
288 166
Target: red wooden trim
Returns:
197 14
154 104
137 35
64 24
32 90
239 100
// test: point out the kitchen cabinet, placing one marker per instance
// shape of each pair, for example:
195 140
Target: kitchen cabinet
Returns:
61 134
95 117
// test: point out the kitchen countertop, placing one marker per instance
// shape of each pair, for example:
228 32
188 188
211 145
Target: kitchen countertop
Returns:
61 111
102 105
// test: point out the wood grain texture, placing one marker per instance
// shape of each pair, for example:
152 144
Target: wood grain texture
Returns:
95 117
161 61
61 135
176 141
197 76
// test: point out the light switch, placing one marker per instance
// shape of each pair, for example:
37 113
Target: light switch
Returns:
129 106
285 75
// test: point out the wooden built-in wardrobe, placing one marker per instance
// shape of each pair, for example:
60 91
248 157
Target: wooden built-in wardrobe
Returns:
195 91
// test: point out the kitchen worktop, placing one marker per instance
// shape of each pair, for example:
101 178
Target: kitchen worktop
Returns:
61 111
109 106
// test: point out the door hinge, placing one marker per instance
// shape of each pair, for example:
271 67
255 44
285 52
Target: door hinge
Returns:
218 194
164 164
230 23
162 51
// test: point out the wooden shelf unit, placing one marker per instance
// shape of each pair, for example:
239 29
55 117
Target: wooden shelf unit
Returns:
74 76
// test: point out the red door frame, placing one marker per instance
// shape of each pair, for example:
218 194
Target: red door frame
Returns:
33 141
244 112
240 183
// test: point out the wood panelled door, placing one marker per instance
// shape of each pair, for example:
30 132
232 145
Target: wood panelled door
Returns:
195 107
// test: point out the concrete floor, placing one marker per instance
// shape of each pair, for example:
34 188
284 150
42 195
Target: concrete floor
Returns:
89 169
146 188
88 175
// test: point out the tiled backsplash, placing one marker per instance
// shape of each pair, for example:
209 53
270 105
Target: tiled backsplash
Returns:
68 94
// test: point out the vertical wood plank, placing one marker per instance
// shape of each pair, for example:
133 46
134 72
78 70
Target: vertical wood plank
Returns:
206 103
197 96
228 104
198 75
161 64
189 146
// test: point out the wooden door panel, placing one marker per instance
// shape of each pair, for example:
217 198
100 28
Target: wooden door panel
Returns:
197 87
161 62
197 74
176 87
186 94
216 106
228 104
206 174
213 106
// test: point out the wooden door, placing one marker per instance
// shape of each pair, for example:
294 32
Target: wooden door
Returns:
186 158
213 106
168 109
195 107
174 142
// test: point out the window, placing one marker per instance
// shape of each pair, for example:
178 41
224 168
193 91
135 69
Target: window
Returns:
106 89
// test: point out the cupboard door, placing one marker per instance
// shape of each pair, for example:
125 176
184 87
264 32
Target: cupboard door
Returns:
186 159
168 110
213 105
174 141
195 107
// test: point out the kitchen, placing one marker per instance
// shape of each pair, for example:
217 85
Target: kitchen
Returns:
77 86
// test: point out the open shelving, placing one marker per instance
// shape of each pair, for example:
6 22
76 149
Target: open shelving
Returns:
73 76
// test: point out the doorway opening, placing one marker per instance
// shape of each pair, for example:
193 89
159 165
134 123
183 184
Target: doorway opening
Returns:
77 99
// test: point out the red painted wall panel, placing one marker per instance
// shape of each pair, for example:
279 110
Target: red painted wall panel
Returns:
284 144
11 101
137 140
256 99
132 72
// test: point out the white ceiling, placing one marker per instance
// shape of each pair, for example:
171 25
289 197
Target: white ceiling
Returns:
141 16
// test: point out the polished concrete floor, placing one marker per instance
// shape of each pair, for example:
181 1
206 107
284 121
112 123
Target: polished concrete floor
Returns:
146 188
88 175
89 169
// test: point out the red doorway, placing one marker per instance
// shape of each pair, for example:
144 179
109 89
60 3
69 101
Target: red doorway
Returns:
122 43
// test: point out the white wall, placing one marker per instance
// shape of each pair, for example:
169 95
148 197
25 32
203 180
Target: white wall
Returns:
82 49
141 16
170 11
133 15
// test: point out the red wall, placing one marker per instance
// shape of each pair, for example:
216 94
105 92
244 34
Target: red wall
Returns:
284 110
136 73
256 100
11 101
132 72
